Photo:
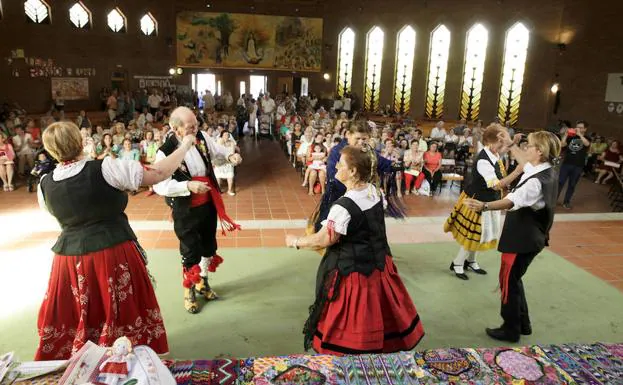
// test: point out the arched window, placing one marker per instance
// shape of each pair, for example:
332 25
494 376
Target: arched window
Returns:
374 62
437 70
346 49
405 53
37 11
117 21
515 54
149 26
80 16
473 71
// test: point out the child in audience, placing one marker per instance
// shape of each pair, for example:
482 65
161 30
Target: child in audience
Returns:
318 164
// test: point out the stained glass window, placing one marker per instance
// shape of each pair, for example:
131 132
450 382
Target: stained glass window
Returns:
437 69
475 54
405 53
148 24
37 11
79 15
116 20
374 61
515 54
346 50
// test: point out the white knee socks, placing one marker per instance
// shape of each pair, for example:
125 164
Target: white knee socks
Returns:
463 255
204 266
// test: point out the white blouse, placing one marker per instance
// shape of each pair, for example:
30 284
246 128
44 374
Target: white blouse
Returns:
365 199
531 193
486 169
173 188
124 175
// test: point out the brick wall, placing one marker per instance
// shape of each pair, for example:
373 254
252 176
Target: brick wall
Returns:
590 30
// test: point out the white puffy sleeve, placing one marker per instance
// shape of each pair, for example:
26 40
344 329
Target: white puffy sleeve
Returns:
338 219
530 194
40 198
124 175
487 171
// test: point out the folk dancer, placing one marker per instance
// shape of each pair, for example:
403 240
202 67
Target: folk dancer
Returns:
361 304
529 218
475 231
195 199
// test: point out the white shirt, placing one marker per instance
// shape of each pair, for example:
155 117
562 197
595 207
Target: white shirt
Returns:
337 104
437 133
365 199
124 175
486 169
451 138
268 106
173 188
22 147
346 103
154 101
529 194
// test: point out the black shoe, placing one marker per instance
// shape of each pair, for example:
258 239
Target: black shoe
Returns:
526 330
468 266
501 335
462 276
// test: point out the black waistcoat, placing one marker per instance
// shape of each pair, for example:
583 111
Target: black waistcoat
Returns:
89 210
526 230
363 249
478 189
182 174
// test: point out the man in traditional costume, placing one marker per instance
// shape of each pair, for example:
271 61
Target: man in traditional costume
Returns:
476 231
195 199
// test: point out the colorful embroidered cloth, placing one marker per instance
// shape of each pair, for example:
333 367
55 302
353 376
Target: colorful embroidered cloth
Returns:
571 364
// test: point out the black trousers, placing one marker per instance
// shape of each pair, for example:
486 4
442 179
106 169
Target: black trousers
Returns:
433 179
515 310
196 230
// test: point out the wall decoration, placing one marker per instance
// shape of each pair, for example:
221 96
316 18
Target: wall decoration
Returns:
611 107
145 81
235 40
614 88
71 88
620 109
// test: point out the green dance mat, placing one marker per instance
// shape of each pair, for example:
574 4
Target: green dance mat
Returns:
265 294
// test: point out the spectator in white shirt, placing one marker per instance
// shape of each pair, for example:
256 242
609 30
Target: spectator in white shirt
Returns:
208 101
438 133
338 104
24 152
346 104
268 104
154 101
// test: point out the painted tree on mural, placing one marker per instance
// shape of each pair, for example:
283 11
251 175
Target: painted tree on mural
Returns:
225 25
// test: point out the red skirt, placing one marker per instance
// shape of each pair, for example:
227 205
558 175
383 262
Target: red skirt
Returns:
99 297
372 314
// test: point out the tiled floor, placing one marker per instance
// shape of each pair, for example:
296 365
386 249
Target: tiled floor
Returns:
271 203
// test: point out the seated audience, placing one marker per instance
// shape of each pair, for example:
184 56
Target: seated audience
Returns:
432 167
611 159
7 162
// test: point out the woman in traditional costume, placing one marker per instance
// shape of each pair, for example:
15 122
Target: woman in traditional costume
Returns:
99 287
529 218
361 304
475 231
357 135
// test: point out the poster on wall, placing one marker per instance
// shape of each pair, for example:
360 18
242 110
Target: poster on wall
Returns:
614 88
71 88
248 41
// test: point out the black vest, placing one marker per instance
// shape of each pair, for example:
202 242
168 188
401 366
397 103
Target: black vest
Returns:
478 189
526 230
90 211
363 249
182 174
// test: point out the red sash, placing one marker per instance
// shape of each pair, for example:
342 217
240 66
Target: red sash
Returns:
227 224
508 260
